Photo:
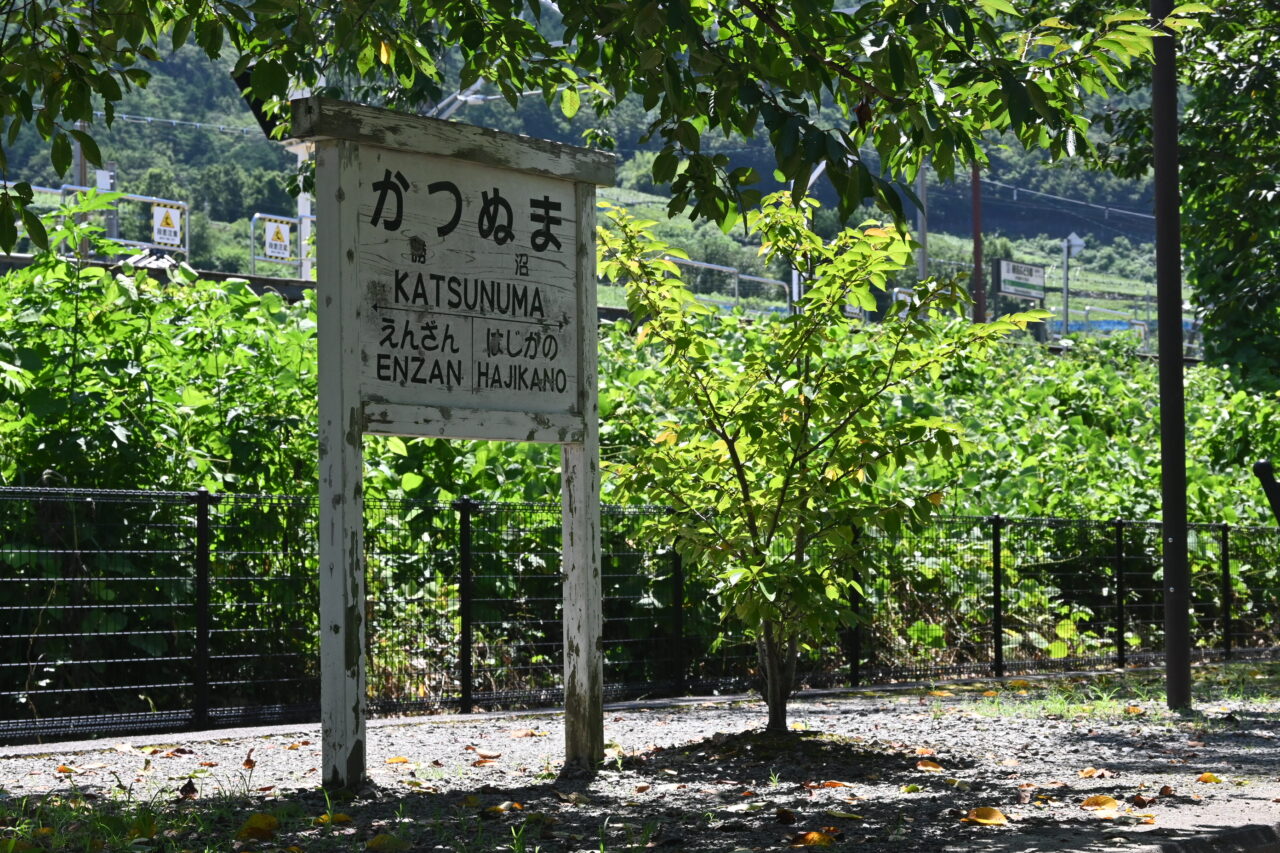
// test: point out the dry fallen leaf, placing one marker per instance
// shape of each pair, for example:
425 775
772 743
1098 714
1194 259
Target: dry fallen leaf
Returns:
208 764
1208 777
1142 802
66 768
985 815
990 693
640 789
1101 803
1134 710
574 797
527 733
941 693
481 762
1097 773
397 759
1166 791
929 766
924 750
812 839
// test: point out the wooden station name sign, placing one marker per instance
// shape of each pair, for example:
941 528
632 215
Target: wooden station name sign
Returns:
456 300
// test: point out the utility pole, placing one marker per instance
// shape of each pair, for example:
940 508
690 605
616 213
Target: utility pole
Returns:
1071 247
922 225
1173 448
979 286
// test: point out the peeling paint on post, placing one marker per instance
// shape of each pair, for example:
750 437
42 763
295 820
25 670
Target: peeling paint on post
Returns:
457 300
341 533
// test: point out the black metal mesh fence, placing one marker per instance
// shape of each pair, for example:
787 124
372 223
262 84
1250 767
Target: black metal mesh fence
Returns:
149 611
96 624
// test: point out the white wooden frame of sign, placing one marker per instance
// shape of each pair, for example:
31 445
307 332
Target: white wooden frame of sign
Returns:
444 312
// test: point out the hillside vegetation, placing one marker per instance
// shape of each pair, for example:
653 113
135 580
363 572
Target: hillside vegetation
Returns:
189 136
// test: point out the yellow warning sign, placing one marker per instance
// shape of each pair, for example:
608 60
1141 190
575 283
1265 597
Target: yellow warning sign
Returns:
277 245
166 225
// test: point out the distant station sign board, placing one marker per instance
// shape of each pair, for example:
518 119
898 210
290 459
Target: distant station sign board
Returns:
1022 280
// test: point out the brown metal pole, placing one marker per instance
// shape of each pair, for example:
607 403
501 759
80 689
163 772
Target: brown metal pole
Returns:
1173 449
979 286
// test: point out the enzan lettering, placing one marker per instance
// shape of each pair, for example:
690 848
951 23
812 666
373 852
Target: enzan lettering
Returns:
463 293
419 370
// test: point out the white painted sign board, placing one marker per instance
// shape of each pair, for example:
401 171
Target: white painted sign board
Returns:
166 225
457 300
1025 280
277 243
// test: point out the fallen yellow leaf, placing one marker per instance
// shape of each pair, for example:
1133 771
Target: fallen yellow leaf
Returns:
1208 777
259 826
929 766
941 693
813 839
384 843
990 693
334 818
1019 682
985 815
397 759
1100 802
1134 710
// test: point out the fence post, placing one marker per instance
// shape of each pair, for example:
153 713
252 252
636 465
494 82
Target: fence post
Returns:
677 599
1225 558
466 509
200 661
997 595
1120 593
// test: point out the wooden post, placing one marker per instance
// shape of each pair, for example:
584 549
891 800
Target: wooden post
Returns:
580 491
341 533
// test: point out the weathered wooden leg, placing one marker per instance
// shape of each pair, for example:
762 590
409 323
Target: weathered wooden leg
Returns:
341 534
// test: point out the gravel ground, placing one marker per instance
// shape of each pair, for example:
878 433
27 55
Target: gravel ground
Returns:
699 775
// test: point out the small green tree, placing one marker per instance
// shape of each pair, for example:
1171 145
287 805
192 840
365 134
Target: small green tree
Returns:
774 431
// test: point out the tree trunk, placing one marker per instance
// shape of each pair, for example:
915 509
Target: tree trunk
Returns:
778 661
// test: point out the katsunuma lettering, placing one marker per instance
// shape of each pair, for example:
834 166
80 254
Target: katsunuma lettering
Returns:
463 293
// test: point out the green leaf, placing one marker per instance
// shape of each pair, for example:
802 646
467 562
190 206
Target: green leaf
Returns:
35 229
927 634
88 146
570 101
270 80
409 481
60 153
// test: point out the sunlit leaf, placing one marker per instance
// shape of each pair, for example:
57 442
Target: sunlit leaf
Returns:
985 815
